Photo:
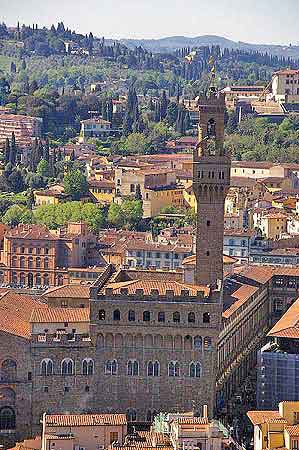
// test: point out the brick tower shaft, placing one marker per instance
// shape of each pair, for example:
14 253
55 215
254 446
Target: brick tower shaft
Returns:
211 181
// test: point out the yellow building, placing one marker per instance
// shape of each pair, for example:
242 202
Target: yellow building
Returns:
102 190
274 224
276 429
52 196
155 199
189 197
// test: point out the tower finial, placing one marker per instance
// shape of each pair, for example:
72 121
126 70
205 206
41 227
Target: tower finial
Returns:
212 89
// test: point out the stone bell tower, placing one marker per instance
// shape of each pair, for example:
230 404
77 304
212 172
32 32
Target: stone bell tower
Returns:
211 180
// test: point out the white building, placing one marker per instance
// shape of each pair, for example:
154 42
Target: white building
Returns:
285 86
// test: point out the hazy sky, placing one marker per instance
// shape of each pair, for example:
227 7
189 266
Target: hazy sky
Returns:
261 21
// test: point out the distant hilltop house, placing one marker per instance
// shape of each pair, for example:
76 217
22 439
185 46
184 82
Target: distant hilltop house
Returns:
285 86
24 127
96 128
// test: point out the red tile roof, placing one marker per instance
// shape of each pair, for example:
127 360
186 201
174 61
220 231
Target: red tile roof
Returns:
258 417
15 313
59 315
241 295
293 430
31 232
68 291
79 420
288 325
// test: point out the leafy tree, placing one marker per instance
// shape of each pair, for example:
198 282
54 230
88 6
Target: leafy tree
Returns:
115 216
16 181
42 169
75 184
135 143
132 212
17 214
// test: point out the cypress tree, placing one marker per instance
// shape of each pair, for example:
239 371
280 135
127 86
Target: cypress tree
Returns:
163 107
13 150
7 151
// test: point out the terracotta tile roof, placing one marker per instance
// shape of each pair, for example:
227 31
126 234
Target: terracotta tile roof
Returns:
191 260
288 325
233 232
101 184
68 291
154 274
161 286
258 417
26 231
77 420
192 420
241 295
260 274
293 430
252 164
15 313
59 315
275 215
287 72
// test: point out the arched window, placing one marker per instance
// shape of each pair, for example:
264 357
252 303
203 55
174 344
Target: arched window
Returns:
7 419
206 317
37 262
176 317
87 366
150 369
7 396
8 370
133 368
111 367
173 369
116 314
14 261
195 370
30 262
102 314
46 367
22 279
59 279
46 263
161 316
211 129
14 277
38 279
146 316
207 343
191 317
46 279
67 367
22 262
198 343
153 369
131 415
131 316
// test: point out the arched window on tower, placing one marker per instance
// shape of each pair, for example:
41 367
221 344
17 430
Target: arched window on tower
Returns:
111 367
116 314
7 419
206 317
131 316
131 415
191 317
176 317
102 314
87 366
67 367
133 368
211 129
198 343
195 370
46 367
